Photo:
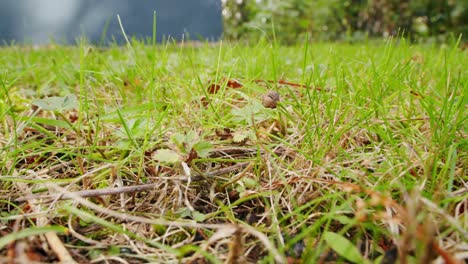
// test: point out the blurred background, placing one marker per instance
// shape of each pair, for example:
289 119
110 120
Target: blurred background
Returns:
64 21
351 20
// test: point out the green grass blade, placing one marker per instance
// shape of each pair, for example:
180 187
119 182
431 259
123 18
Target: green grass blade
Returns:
29 232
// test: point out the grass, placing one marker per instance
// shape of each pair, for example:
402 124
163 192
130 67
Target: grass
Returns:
363 159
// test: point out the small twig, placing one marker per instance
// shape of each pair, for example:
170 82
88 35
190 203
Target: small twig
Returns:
222 171
90 193
127 189
238 152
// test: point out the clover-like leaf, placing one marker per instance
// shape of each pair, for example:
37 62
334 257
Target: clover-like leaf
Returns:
191 137
255 111
166 156
203 148
178 139
242 135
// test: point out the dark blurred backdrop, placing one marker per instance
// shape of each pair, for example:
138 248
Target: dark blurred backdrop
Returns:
352 20
39 21
64 21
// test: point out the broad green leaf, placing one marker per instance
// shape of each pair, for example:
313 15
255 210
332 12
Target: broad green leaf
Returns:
191 137
29 232
197 216
178 139
137 128
240 136
112 115
184 212
185 141
249 182
166 155
343 219
254 110
55 103
203 148
47 121
343 247
127 130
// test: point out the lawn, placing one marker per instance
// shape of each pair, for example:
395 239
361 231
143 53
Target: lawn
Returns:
236 153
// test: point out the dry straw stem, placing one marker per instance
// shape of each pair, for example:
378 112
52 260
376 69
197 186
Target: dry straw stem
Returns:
127 189
52 238
190 224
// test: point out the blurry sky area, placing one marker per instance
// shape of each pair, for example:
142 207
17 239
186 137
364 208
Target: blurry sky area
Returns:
64 21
